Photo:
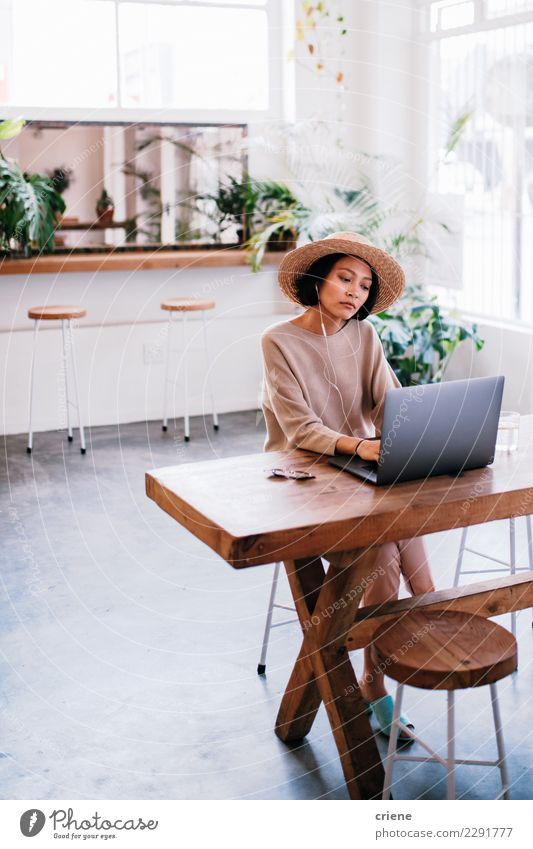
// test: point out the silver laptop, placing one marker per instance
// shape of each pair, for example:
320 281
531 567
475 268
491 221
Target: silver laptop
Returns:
433 429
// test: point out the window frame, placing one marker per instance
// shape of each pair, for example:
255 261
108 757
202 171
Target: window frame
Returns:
481 21
431 39
279 21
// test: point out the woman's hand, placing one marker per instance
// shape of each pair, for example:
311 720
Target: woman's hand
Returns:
367 449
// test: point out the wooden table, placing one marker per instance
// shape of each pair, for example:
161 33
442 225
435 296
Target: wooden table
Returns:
250 518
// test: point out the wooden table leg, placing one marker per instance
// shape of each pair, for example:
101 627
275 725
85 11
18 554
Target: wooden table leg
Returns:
302 697
323 671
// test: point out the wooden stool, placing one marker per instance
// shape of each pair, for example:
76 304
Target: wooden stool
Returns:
184 306
445 650
505 565
64 314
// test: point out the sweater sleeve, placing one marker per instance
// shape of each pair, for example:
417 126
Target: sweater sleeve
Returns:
383 379
300 424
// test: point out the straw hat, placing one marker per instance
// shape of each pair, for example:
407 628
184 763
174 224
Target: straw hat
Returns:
391 279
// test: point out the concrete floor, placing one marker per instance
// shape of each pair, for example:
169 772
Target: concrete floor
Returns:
129 649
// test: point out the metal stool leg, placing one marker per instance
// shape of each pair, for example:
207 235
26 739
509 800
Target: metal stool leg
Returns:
187 435
458 568
450 764
76 390
209 379
529 550
261 666
65 367
450 761
502 762
393 742
512 565
164 426
32 372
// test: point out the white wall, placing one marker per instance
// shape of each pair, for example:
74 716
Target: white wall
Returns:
508 350
124 332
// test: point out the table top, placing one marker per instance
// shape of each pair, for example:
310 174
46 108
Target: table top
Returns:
250 518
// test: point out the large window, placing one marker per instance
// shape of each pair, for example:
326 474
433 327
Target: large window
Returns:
167 57
483 86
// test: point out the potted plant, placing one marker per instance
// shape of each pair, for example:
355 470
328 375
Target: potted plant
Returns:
419 338
105 208
29 204
234 204
275 205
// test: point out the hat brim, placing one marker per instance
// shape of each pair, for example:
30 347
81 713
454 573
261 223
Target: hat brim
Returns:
391 277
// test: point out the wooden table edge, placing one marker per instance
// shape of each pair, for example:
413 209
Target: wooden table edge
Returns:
258 548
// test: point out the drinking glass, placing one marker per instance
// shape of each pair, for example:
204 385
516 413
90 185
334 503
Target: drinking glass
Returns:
508 426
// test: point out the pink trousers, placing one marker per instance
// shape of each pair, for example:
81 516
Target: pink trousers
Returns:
382 567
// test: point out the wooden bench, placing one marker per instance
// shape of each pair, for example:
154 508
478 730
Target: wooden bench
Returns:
483 598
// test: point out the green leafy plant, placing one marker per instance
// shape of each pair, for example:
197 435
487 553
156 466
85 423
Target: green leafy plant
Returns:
29 206
277 220
297 217
234 203
419 338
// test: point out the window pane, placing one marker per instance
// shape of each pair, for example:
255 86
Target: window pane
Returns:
61 54
450 14
497 8
193 58
491 74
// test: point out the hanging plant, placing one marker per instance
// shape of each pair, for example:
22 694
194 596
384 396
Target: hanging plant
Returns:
312 17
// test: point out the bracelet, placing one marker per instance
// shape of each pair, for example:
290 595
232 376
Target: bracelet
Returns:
357 446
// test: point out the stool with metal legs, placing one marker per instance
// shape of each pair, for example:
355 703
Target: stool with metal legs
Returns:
64 314
445 650
261 666
185 306
511 565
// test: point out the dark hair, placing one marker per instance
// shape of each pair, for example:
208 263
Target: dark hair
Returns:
315 276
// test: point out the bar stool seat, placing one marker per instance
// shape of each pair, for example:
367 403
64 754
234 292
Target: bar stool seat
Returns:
184 306
455 650
64 313
56 313
445 650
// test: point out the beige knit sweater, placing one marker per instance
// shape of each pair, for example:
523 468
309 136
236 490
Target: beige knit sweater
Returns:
301 406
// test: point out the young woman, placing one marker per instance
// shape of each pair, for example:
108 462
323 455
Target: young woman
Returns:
325 378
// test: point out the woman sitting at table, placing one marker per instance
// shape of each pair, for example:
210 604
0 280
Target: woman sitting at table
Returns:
325 380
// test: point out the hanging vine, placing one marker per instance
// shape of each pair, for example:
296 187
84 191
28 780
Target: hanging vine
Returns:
314 19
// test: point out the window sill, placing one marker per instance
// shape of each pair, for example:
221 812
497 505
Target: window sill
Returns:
131 261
